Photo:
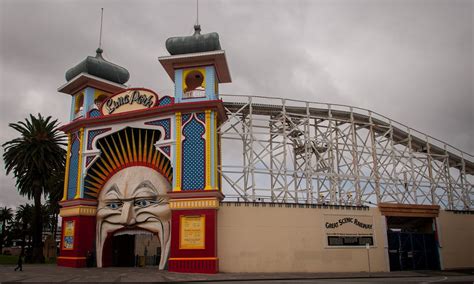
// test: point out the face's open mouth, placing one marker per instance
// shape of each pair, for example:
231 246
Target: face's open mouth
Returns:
146 230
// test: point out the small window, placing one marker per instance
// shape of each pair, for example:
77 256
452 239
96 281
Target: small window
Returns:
194 81
79 102
100 99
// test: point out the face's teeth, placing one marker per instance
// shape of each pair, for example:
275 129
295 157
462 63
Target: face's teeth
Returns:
133 232
103 228
164 236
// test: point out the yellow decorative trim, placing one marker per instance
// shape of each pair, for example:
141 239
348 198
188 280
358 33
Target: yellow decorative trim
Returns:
193 258
208 151
216 153
79 164
178 152
80 210
191 203
78 102
66 170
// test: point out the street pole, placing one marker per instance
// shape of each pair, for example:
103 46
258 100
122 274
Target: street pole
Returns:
367 247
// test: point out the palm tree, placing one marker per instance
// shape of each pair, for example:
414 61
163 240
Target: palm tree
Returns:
32 158
23 218
6 216
55 194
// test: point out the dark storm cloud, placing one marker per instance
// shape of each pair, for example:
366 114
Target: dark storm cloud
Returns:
409 60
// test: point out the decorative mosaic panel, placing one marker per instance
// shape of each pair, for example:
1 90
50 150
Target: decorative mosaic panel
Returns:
193 163
89 159
201 116
94 113
93 134
166 150
186 117
166 100
165 123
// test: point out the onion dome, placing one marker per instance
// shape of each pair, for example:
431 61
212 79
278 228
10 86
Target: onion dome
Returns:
99 67
191 44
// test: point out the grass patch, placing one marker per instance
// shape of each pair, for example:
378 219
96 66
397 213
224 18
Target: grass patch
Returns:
13 259
8 259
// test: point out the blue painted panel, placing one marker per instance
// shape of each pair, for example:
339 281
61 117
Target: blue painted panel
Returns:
178 83
193 161
88 99
210 92
73 102
73 166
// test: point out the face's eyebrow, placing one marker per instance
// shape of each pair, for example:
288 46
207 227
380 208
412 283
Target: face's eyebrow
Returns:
146 184
113 190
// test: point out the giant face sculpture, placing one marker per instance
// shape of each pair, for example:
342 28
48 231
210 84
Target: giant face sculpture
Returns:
134 201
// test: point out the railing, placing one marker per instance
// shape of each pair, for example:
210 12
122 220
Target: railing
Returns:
281 102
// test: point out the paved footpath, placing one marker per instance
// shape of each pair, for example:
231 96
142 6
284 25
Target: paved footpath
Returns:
51 273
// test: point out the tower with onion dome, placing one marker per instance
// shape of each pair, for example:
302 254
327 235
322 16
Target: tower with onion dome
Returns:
89 83
197 65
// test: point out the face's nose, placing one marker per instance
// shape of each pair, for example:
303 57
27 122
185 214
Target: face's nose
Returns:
128 215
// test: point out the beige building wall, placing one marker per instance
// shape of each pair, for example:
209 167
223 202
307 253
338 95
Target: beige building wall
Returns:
456 235
264 238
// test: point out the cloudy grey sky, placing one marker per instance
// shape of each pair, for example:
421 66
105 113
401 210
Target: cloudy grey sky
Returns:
409 60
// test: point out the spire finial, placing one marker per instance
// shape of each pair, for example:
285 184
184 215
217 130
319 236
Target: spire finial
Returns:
197 26
100 34
197 29
197 13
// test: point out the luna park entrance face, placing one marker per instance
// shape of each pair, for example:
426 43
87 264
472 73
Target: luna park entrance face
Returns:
135 250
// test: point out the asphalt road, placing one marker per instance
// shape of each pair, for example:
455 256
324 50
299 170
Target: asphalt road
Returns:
48 273
430 279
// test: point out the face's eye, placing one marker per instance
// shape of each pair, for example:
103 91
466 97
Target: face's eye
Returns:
114 205
143 203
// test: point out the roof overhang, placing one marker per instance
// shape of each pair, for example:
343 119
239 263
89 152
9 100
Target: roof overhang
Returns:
408 210
215 58
215 105
84 80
